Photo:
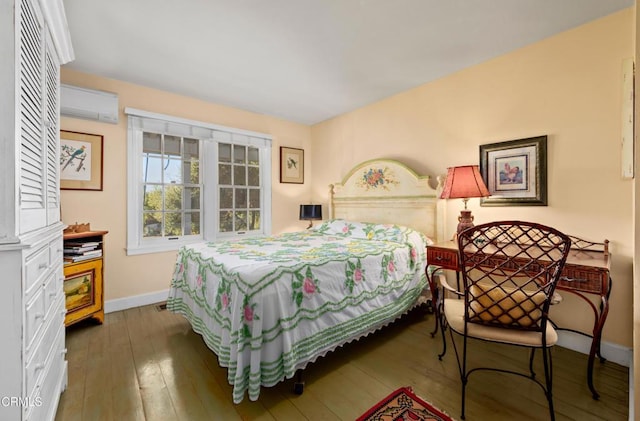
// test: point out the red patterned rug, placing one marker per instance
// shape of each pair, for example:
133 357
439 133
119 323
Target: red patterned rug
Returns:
403 404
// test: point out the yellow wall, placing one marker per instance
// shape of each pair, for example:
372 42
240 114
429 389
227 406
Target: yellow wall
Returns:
567 87
127 276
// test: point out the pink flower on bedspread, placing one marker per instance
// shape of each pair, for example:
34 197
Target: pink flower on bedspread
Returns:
199 281
414 254
224 298
303 285
357 275
391 266
309 286
248 313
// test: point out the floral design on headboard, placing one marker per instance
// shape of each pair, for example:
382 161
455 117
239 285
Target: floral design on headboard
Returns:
374 178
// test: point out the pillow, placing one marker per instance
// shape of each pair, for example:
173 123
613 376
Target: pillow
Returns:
508 306
370 231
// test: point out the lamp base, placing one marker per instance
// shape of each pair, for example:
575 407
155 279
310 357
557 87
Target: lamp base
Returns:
465 220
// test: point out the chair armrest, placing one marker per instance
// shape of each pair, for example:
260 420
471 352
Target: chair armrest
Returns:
445 285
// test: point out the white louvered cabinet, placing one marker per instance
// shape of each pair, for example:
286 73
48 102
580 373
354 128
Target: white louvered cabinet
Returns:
34 41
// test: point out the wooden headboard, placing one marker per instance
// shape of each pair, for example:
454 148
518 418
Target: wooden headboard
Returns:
388 192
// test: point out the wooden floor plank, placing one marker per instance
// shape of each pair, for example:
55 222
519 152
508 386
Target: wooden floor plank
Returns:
146 364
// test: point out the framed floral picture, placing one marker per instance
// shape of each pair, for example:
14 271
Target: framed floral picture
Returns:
80 161
291 165
515 172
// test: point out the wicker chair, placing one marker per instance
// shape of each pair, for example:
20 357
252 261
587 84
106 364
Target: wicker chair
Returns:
509 270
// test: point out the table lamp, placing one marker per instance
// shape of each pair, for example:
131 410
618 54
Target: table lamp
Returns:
463 183
310 213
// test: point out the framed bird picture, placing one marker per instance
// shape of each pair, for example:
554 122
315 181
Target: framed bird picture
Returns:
291 165
80 161
515 172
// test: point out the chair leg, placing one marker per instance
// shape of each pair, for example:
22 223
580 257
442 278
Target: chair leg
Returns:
463 375
548 375
531 357
444 345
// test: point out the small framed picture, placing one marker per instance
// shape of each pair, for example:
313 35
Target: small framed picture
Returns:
515 172
80 161
291 165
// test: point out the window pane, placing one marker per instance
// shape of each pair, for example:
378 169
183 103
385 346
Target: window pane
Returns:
173 171
239 176
226 221
254 156
254 220
254 198
192 223
191 149
152 224
193 197
173 197
241 221
171 145
152 197
254 176
224 174
226 198
173 223
151 143
239 154
151 169
192 171
224 152
241 198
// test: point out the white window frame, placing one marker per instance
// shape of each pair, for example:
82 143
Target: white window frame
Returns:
210 135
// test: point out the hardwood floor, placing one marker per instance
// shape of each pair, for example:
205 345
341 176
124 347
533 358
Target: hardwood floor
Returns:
146 364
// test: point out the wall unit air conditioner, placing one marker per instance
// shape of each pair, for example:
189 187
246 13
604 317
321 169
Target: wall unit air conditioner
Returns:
88 104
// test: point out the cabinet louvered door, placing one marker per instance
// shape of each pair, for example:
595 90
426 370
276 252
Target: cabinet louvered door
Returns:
33 188
51 117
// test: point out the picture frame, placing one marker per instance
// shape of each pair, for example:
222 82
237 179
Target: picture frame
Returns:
291 165
515 172
81 159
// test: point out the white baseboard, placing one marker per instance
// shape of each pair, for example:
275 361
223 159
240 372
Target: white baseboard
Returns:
135 301
611 352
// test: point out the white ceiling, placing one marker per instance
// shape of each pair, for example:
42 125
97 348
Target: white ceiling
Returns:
306 60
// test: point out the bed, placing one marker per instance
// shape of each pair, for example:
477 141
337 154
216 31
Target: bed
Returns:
269 306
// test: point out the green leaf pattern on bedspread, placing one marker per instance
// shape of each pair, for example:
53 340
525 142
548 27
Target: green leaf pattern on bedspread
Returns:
304 285
268 306
354 274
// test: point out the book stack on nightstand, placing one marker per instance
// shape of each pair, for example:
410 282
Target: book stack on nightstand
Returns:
79 250
83 271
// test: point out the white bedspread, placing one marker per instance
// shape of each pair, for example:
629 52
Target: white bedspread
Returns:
269 306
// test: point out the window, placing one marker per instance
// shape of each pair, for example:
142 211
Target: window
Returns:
171 186
239 188
192 181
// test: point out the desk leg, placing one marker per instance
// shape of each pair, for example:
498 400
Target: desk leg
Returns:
437 300
435 303
595 345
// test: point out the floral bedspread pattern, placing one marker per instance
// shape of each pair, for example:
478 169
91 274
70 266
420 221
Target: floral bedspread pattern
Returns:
268 306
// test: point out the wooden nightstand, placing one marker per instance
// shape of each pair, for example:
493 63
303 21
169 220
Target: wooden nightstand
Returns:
83 276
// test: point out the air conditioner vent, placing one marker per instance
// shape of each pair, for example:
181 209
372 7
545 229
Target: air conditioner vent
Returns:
88 104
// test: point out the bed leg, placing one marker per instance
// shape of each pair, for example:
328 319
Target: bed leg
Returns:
298 386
